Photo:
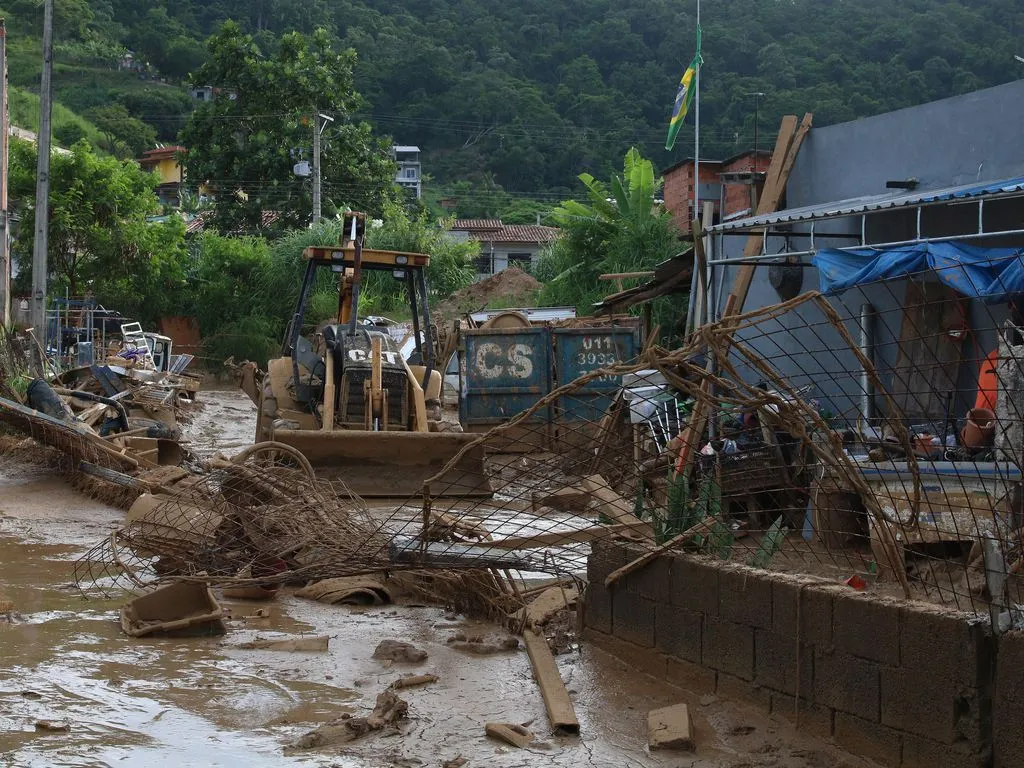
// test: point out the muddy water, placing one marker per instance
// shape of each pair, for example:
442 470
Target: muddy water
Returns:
199 702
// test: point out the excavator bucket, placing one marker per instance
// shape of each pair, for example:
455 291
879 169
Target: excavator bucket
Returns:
392 464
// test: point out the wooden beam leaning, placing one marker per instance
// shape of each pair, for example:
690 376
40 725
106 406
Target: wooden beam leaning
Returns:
559 707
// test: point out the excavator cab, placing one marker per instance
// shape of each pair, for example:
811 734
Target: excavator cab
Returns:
350 401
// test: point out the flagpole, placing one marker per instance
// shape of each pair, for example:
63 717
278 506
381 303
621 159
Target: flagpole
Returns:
696 129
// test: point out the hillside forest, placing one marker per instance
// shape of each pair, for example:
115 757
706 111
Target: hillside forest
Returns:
511 101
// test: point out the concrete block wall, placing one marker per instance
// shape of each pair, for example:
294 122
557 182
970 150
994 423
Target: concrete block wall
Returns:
906 684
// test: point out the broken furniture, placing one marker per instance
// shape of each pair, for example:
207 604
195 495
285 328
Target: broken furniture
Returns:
181 609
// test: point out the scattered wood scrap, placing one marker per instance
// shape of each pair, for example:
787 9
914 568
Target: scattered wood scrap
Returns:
613 506
289 644
702 528
548 604
510 733
670 728
556 698
388 710
411 681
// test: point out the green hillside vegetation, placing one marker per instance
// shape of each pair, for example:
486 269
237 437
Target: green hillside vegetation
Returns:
520 97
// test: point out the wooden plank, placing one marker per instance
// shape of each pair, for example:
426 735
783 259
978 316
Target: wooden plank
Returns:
613 506
701 528
787 146
556 698
929 358
577 536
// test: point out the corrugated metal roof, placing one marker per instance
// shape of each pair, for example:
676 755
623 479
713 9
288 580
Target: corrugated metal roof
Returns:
871 203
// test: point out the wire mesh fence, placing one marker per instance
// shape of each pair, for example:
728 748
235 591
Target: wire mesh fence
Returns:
875 439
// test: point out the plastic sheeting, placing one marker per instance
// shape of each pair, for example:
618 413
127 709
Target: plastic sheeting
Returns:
993 275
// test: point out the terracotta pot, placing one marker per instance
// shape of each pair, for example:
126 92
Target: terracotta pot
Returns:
980 429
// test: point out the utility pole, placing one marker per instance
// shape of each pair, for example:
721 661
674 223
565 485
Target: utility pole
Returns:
5 235
39 252
757 103
318 129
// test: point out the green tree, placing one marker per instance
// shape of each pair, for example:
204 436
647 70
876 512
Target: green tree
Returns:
100 239
620 229
246 142
126 135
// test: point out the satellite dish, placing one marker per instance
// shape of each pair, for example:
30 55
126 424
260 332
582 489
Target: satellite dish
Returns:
301 169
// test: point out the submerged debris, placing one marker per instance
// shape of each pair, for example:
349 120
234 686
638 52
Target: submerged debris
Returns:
388 710
397 650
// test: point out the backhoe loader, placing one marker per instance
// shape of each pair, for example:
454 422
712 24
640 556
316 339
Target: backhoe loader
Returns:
349 401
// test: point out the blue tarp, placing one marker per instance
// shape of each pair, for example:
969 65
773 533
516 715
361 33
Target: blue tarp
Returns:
993 275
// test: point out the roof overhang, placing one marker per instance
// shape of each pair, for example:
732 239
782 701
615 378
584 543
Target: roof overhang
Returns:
868 204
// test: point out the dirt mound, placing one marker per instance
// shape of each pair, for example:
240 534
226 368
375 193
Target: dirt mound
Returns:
510 287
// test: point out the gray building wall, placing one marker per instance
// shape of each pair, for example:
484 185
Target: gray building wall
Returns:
975 137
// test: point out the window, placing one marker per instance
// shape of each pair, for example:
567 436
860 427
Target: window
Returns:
521 260
410 173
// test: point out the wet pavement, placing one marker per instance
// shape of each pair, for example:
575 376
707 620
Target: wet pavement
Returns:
207 702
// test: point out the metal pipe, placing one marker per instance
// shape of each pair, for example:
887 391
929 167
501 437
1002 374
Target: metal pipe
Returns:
122 414
867 348
893 244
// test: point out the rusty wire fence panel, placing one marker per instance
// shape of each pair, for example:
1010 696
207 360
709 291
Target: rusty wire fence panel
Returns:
788 438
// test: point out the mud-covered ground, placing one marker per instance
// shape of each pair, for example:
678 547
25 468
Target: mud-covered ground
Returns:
199 702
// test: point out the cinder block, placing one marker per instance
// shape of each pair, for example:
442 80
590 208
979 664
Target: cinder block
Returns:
744 596
866 627
847 683
677 632
645 660
814 718
775 663
925 753
931 640
728 647
694 584
692 677
605 557
871 740
651 581
633 618
597 608
815 612
734 689
1008 702
930 705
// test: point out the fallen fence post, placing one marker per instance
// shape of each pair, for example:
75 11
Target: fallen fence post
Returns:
552 688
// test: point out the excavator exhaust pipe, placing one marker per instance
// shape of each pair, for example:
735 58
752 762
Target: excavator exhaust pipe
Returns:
393 464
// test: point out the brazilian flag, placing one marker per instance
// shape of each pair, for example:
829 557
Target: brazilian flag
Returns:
684 96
